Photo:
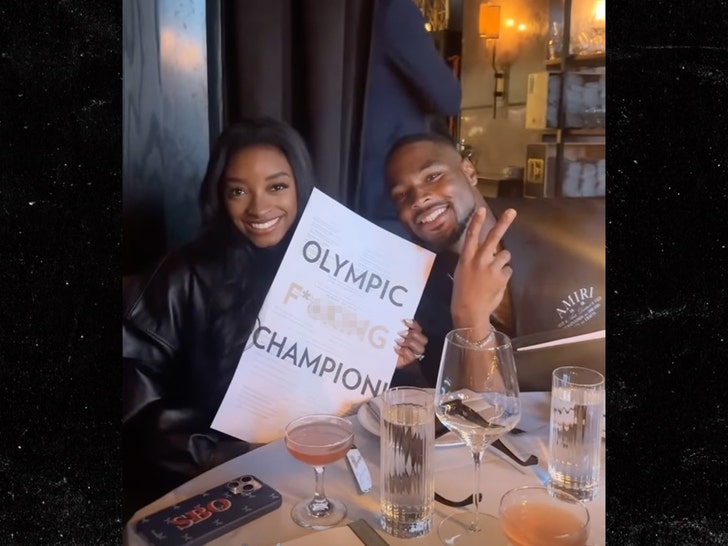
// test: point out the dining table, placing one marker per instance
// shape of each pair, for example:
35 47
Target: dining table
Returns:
454 480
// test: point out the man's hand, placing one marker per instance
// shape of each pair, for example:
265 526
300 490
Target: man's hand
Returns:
410 346
481 275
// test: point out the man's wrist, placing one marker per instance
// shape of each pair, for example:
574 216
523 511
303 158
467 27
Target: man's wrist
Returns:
476 338
479 328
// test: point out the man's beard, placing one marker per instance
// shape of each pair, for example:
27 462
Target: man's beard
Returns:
445 244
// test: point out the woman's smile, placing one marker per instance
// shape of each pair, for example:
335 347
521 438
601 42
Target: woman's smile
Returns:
264 226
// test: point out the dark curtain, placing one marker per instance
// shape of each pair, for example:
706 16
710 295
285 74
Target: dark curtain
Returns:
303 61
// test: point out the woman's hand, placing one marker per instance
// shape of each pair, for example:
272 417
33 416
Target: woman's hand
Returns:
481 275
410 345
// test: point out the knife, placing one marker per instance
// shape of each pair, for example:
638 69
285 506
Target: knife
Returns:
500 445
459 408
366 533
360 469
440 428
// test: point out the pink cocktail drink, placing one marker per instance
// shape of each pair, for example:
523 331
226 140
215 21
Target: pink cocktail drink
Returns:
538 516
319 440
319 444
542 525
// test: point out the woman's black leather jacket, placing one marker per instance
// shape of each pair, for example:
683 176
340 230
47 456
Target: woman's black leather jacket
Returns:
184 328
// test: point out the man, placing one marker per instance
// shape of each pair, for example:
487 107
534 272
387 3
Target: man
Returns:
557 281
409 87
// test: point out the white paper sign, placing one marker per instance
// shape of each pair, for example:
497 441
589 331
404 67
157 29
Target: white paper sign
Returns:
326 334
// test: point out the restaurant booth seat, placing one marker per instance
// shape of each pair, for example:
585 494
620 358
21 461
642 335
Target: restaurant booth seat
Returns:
562 247
535 367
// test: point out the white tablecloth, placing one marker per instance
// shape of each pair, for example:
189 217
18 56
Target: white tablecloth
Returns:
453 480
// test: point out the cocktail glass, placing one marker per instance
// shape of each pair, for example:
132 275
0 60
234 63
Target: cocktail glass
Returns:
541 516
319 440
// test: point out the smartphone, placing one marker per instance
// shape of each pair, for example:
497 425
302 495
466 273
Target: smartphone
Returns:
206 516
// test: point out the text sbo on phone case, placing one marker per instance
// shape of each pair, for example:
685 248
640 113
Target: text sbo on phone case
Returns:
206 516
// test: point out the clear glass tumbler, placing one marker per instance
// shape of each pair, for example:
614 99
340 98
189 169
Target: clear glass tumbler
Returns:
407 450
575 439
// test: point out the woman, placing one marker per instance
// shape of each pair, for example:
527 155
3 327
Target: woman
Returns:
184 332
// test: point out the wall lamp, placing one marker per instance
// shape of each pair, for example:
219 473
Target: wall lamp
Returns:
489 28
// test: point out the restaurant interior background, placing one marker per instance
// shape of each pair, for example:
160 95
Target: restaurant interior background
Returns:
532 118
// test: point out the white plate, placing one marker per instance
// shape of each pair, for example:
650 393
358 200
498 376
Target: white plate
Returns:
370 424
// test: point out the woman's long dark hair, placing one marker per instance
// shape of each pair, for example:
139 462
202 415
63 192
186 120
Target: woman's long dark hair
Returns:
251 270
244 134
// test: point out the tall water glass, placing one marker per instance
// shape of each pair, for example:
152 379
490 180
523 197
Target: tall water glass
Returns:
407 450
577 407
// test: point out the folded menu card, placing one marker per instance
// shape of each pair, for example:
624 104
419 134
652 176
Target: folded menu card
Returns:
565 340
538 354
325 336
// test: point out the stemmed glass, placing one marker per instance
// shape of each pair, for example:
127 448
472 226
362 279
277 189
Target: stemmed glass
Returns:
319 440
540 516
477 398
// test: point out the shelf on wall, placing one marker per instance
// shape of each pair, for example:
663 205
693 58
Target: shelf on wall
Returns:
592 59
546 162
585 132
562 135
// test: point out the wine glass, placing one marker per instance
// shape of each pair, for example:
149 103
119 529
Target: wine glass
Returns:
319 440
477 398
541 516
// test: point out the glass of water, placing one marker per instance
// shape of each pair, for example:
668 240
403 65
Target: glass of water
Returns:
575 446
407 475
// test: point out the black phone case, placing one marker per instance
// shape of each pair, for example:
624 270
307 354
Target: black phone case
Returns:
206 516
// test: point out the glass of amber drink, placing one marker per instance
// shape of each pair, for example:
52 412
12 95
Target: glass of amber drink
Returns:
541 516
319 440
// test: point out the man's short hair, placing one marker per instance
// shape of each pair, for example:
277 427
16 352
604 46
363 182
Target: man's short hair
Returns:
436 138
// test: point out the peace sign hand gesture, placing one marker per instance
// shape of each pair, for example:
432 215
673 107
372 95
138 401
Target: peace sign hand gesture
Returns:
481 275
